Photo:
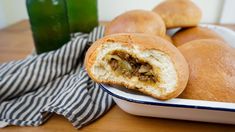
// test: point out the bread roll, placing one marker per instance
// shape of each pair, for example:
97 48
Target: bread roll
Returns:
179 13
137 21
212 70
185 35
142 62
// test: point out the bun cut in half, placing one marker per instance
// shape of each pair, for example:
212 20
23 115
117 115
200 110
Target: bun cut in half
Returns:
189 34
141 62
179 13
137 21
212 70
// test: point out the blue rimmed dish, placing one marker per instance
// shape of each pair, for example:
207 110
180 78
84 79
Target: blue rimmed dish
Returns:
197 110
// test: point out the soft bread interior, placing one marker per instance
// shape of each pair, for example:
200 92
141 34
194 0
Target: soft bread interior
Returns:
162 67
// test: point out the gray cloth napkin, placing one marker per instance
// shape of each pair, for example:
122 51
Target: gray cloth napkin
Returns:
55 82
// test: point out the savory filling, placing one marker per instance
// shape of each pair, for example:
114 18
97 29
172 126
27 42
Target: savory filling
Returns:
129 66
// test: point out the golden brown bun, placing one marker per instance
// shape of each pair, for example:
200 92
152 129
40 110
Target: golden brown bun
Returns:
212 70
144 43
137 21
179 13
186 35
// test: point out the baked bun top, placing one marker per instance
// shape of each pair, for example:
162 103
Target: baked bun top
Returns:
163 58
137 21
179 13
188 34
212 70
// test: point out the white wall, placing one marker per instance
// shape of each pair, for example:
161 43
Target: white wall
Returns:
2 17
211 10
227 15
108 9
12 11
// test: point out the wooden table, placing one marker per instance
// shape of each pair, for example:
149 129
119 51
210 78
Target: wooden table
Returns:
16 43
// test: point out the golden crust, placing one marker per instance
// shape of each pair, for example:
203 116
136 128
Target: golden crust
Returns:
212 70
144 42
186 35
179 13
137 21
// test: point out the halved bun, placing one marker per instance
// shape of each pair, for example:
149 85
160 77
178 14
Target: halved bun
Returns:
137 21
189 34
212 70
179 13
155 67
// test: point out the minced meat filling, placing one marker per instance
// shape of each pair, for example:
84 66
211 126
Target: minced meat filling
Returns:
129 66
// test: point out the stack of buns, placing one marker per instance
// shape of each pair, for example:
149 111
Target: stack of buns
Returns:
136 52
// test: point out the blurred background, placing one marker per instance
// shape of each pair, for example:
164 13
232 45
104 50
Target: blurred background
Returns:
214 11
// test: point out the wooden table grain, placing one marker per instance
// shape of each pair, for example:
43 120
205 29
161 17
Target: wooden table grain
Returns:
16 43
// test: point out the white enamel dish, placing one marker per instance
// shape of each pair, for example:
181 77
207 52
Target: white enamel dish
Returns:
196 110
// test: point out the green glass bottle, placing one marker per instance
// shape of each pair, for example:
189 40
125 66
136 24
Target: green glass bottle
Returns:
49 24
82 15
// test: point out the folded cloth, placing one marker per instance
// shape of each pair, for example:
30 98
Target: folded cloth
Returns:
55 82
